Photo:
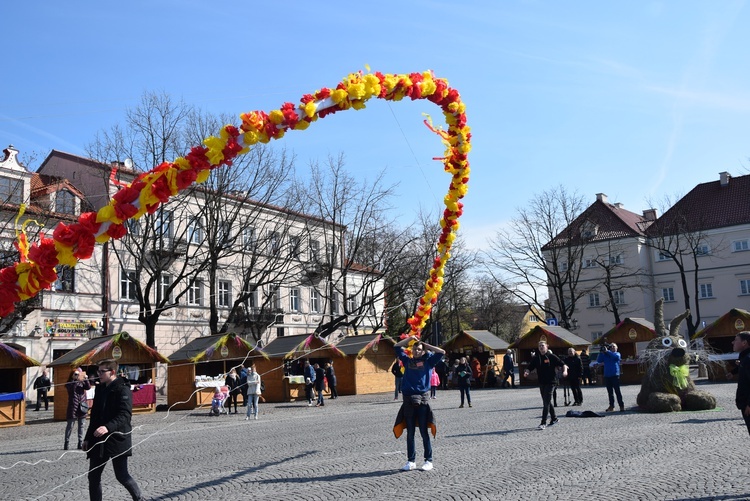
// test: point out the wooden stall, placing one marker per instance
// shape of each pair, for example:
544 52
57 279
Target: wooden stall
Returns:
136 360
13 365
366 368
200 366
631 336
282 372
717 339
484 345
558 339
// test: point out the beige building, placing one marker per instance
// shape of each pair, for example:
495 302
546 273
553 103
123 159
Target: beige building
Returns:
629 260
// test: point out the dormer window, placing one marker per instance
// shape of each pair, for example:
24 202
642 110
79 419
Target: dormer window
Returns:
11 190
65 202
589 230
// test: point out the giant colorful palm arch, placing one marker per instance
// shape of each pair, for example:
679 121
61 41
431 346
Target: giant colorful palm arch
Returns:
71 243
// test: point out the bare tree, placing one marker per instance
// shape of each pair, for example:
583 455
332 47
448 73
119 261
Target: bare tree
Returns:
542 250
361 244
493 309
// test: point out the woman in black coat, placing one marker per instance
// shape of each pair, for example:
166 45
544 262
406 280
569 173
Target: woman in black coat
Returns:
109 433
233 384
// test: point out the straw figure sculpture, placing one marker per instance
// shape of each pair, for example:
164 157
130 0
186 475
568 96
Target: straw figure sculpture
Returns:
667 386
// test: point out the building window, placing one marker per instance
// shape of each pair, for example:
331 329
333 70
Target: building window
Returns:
668 294
589 262
615 259
251 296
163 225
335 303
369 302
248 237
314 301
619 297
65 202
274 242
533 318
702 250
66 279
225 293
127 285
195 293
744 287
195 231
275 293
294 299
563 267
165 282
663 256
596 335
294 247
134 227
11 190
594 300
740 245
224 233
315 251
706 291
351 303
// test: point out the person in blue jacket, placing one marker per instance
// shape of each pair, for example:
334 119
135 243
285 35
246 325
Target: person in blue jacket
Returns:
611 360
309 382
415 388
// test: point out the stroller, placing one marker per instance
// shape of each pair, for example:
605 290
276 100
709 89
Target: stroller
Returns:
217 403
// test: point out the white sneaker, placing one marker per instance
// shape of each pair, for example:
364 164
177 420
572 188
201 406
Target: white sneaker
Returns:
541 426
427 466
246 418
410 465
256 416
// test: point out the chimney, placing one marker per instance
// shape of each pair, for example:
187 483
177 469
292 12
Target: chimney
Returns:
724 178
601 197
618 205
649 214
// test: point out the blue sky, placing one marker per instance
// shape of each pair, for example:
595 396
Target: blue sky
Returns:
637 100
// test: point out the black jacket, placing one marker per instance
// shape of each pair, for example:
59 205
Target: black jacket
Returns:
42 383
113 408
575 367
743 380
545 367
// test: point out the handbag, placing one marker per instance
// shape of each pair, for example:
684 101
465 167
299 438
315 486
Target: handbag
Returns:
83 407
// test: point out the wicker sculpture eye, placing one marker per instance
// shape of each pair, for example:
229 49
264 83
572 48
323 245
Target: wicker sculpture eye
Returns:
666 342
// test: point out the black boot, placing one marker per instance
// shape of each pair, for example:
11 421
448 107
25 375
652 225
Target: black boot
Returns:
65 447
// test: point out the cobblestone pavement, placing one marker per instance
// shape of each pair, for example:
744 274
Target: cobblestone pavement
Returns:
346 450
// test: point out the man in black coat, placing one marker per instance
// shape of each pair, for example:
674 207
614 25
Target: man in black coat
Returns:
109 433
575 371
741 345
545 363
42 385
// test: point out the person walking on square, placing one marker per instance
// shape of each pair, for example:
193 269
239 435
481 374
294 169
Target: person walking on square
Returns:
397 369
320 384
476 371
611 360
331 378
76 386
509 370
309 372
233 383
741 345
575 371
253 392
546 363
42 385
442 371
434 383
109 433
586 368
462 374
415 409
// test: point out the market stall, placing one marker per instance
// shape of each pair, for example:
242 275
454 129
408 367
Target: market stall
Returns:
631 336
558 339
366 368
717 339
202 364
484 345
282 372
13 365
137 364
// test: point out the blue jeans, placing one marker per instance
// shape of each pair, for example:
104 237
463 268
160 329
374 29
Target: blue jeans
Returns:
467 391
613 386
320 397
398 387
417 414
252 407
